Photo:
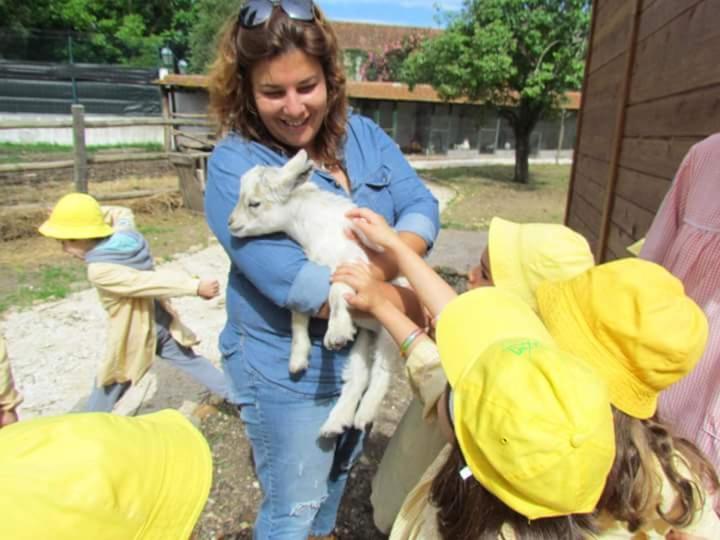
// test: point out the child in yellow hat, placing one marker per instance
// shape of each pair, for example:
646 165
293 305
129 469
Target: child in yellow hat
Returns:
520 256
10 398
103 476
515 464
633 323
142 322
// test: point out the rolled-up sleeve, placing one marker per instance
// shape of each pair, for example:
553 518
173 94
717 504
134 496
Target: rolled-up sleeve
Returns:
274 264
416 208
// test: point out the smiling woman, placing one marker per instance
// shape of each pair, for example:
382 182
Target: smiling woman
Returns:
277 87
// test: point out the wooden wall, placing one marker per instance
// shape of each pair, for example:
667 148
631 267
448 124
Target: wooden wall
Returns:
651 90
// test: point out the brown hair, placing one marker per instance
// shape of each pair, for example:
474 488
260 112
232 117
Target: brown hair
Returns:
231 97
468 511
633 492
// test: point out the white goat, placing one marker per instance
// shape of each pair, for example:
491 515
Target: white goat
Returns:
281 199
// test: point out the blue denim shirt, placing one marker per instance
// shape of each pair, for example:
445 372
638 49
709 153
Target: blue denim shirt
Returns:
270 275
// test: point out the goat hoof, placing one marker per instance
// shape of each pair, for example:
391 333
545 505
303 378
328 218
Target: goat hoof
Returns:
331 429
338 335
363 418
298 364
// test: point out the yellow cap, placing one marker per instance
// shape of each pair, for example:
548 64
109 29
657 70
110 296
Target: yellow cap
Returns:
474 320
534 424
633 322
524 255
103 476
76 216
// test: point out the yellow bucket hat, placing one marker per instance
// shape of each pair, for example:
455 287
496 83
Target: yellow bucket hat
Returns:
632 321
76 216
524 255
534 424
103 476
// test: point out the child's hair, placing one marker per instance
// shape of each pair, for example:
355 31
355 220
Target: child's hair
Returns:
239 49
633 490
468 511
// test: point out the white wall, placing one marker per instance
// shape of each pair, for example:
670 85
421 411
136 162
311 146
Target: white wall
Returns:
93 136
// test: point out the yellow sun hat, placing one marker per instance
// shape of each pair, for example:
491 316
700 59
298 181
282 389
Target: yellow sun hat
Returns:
100 475
523 255
76 216
632 321
533 423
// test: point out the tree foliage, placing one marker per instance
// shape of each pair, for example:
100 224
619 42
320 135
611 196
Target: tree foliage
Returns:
387 65
521 55
209 20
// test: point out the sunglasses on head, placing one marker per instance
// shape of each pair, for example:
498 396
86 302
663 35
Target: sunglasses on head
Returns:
256 12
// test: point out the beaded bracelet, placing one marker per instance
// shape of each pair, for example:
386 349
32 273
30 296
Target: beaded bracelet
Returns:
409 341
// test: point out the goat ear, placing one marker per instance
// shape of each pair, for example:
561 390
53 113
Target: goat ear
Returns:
297 170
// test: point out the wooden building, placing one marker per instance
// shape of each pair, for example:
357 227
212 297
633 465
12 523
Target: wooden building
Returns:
651 90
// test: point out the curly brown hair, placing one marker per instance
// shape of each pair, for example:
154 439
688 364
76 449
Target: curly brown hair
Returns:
633 492
468 511
232 103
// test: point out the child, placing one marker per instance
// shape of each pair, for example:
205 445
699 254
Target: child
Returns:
103 476
142 322
632 322
685 238
522 255
10 398
516 463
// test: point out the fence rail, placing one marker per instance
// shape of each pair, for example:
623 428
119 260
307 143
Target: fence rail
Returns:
81 159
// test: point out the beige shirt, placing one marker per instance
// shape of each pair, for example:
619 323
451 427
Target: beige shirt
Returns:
128 296
9 396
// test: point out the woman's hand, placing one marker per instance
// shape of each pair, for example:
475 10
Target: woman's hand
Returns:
368 295
7 418
374 227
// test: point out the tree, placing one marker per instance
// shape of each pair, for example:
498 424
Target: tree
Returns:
210 15
386 66
521 55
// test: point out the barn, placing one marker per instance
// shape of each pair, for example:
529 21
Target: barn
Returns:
651 90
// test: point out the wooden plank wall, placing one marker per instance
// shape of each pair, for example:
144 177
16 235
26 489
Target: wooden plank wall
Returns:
638 120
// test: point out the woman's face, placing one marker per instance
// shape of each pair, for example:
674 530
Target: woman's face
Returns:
291 97
480 276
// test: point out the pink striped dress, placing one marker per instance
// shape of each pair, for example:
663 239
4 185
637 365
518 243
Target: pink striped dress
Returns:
685 239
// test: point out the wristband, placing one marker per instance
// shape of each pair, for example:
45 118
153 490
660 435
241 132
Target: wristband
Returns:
409 341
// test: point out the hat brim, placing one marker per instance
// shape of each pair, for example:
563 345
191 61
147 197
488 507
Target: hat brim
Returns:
474 320
74 233
563 317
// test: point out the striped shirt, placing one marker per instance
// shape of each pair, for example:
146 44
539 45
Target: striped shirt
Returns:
685 239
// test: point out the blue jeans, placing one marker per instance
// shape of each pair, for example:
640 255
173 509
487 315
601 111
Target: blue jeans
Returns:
302 476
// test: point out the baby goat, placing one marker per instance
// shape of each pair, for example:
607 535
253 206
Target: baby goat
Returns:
281 199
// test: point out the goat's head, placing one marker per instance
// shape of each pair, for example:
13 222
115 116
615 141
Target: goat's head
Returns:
264 193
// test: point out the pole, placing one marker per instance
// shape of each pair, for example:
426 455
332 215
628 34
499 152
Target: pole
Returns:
79 150
561 136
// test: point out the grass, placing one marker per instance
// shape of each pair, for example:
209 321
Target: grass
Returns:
51 282
18 152
487 191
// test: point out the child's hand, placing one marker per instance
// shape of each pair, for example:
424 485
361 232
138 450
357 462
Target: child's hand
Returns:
368 293
374 227
208 288
7 418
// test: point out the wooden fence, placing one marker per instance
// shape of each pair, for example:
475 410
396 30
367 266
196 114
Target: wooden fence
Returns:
187 151
651 91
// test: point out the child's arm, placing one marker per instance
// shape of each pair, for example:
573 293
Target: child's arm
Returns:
118 217
432 290
10 398
121 280
424 370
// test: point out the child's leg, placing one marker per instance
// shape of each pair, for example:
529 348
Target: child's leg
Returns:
185 359
104 398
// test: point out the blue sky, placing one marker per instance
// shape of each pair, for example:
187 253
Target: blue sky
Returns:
400 12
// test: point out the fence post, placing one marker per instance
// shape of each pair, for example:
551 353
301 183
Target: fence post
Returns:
81 167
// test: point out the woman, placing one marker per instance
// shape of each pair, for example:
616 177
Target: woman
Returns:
276 87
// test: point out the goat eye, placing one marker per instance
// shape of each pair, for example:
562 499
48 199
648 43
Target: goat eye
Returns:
253 204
